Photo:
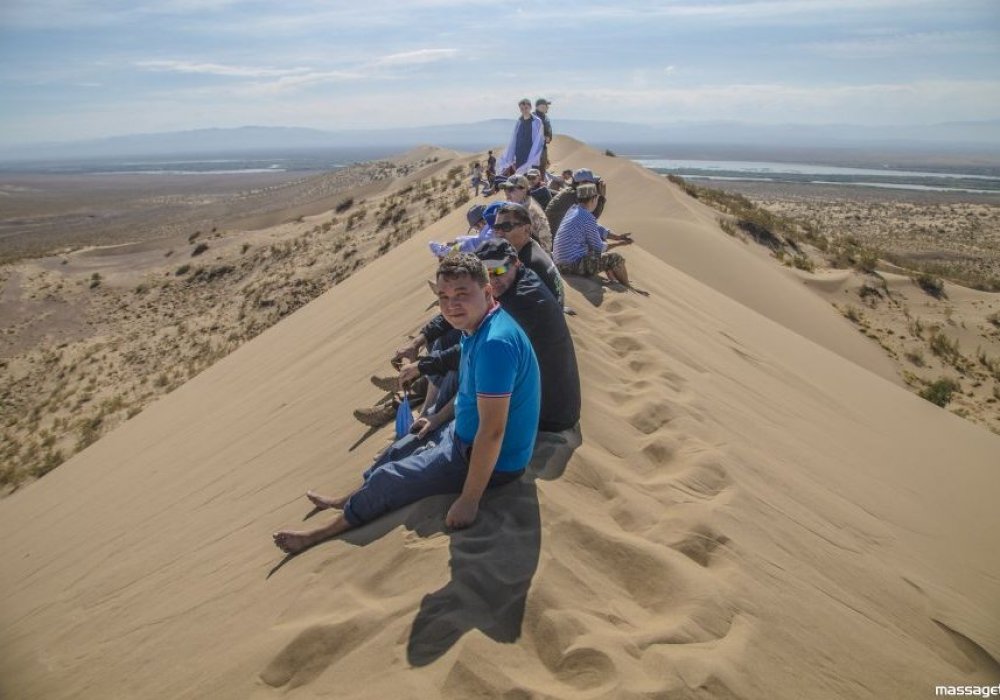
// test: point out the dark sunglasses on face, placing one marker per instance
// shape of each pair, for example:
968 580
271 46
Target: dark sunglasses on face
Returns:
506 226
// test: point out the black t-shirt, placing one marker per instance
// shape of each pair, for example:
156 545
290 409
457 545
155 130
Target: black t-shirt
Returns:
534 257
542 195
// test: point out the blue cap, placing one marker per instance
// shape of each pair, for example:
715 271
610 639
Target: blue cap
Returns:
584 175
490 213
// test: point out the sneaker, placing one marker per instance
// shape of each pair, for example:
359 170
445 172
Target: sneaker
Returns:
390 383
377 416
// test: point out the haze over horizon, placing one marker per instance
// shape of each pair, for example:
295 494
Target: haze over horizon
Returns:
74 72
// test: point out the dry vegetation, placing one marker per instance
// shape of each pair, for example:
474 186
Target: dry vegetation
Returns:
82 351
902 259
959 242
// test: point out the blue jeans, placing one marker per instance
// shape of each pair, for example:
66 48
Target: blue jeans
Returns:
429 470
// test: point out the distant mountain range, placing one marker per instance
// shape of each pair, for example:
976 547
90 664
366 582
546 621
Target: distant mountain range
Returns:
959 137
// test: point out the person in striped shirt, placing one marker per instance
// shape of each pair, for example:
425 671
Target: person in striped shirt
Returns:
581 246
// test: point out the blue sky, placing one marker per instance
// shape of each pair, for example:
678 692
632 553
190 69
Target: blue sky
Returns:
78 69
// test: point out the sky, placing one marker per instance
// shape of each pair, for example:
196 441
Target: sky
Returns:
82 69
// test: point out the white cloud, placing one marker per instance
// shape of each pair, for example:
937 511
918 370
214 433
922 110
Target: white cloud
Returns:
278 80
219 69
410 58
899 45
883 103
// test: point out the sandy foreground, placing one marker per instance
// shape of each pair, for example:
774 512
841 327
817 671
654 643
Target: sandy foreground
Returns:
755 506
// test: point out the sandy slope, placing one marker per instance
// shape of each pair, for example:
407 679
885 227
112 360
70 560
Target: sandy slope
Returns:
749 513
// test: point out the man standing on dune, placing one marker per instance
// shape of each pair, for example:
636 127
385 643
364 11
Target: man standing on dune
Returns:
496 418
524 151
542 112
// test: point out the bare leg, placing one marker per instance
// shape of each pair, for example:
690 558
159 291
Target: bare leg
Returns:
324 502
295 541
621 274
430 399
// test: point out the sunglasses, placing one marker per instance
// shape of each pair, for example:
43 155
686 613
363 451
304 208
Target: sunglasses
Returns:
506 226
497 271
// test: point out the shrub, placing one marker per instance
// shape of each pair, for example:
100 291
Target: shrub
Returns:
199 249
939 393
345 205
609 152
853 314
50 461
916 357
728 226
930 284
95 280
182 270
870 295
942 347
866 260
990 363
803 262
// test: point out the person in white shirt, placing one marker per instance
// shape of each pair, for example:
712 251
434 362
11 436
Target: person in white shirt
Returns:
524 151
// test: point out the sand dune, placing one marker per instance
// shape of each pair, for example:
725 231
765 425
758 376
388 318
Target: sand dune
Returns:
752 508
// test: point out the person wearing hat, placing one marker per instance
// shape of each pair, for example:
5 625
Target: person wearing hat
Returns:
492 437
542 112
517 188
479 231
523 295
581 247
514 225
538 189
566 198
524 150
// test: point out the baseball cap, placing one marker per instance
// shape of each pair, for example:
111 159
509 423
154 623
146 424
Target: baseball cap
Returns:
585 175
495 252
475 214
534 172
515 181
490 212
542 101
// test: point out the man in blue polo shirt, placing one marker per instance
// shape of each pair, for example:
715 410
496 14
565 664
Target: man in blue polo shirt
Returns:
496 418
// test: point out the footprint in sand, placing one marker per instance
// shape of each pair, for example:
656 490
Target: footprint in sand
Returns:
699 545
660 452
632 390
623 345
585 668
704 481
651 416
622 316
313 650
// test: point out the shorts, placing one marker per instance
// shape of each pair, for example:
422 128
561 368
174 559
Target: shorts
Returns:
592 263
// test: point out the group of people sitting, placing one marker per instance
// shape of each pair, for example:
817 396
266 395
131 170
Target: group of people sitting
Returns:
497 364
500 366
563 210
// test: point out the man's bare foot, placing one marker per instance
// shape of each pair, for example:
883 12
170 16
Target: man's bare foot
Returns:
323 502
294 542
